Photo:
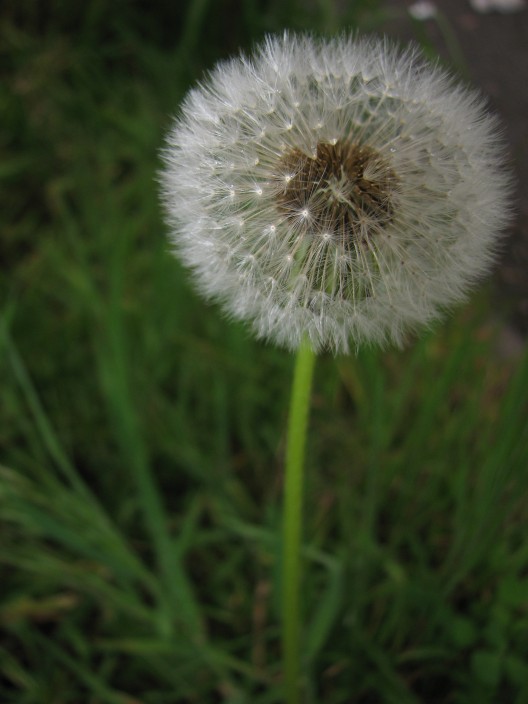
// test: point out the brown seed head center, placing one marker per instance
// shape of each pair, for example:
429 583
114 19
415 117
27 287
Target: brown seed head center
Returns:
346 190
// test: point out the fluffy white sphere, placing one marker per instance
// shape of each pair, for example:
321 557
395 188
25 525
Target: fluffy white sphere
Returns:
337 190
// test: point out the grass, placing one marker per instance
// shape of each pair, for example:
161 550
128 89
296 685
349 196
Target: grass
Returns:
142 435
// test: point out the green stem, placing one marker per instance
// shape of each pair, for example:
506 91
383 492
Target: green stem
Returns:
291 545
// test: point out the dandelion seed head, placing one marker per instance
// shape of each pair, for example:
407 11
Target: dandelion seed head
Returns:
339 190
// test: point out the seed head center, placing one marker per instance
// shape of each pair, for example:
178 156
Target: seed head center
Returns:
347 189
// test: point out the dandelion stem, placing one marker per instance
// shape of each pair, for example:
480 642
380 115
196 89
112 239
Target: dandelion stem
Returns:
293 492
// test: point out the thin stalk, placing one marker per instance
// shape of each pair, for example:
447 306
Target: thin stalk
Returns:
293 498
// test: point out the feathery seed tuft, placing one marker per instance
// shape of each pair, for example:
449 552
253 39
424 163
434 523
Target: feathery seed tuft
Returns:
339 190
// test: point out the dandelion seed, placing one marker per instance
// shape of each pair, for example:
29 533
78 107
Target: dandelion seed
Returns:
385 182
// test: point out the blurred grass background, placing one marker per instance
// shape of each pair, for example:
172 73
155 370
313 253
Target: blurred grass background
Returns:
142 435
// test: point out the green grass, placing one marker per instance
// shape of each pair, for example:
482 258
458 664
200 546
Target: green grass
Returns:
142 435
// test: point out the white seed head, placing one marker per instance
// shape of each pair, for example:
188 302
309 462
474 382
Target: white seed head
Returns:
338 190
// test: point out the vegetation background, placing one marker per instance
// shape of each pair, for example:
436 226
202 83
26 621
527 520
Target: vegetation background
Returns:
142 435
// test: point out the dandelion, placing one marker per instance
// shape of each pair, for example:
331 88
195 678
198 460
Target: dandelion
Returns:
336 190
331 193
